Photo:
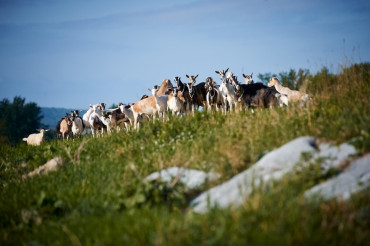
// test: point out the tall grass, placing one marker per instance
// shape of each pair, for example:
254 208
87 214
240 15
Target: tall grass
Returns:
99 197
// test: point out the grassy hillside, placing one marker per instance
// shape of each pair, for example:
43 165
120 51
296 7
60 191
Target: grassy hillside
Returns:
99 198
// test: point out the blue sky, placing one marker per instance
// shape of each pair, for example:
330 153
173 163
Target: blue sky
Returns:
74 53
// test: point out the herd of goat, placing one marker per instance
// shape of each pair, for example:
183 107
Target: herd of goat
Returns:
184 98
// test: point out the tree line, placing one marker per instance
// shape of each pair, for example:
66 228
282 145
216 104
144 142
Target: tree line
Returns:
18 119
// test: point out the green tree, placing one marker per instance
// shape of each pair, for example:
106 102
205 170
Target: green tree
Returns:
18 119
321 80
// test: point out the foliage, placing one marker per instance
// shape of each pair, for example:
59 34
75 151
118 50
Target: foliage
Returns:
100 197
17 119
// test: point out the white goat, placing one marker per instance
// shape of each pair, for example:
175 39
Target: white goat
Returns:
86 117
127 110
35 139
227 90
160 102
174 103
293 95
229 95
97 113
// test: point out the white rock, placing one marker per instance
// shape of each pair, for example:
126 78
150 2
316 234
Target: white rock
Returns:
51 165
351 180
334 155
272 166
191 178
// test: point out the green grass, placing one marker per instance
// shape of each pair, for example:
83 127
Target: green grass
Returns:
98 196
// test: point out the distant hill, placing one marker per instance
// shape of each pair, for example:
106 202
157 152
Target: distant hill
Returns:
51 116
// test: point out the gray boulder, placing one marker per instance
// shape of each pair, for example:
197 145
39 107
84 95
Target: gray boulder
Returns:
351 180
273 165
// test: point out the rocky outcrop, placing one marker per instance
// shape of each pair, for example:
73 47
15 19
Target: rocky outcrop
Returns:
272 166
351 180
51 165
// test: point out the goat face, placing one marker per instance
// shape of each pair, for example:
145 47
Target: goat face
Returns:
273 81
191 89
224 80
229 75
76 112
69 119
210 82
169 86
237 88
101 106
97 109
248 78
154 90
42 130
222 73
209 86
192 79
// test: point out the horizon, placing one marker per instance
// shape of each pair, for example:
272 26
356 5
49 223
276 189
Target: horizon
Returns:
71 54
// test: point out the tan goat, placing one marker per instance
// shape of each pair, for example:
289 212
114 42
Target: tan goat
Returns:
293 95
148 105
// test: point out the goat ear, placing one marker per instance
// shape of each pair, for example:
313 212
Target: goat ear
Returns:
251 74
187 76
217 72
149 90
196 76
227 70
244 75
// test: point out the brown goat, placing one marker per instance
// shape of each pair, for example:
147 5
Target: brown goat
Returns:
64 127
